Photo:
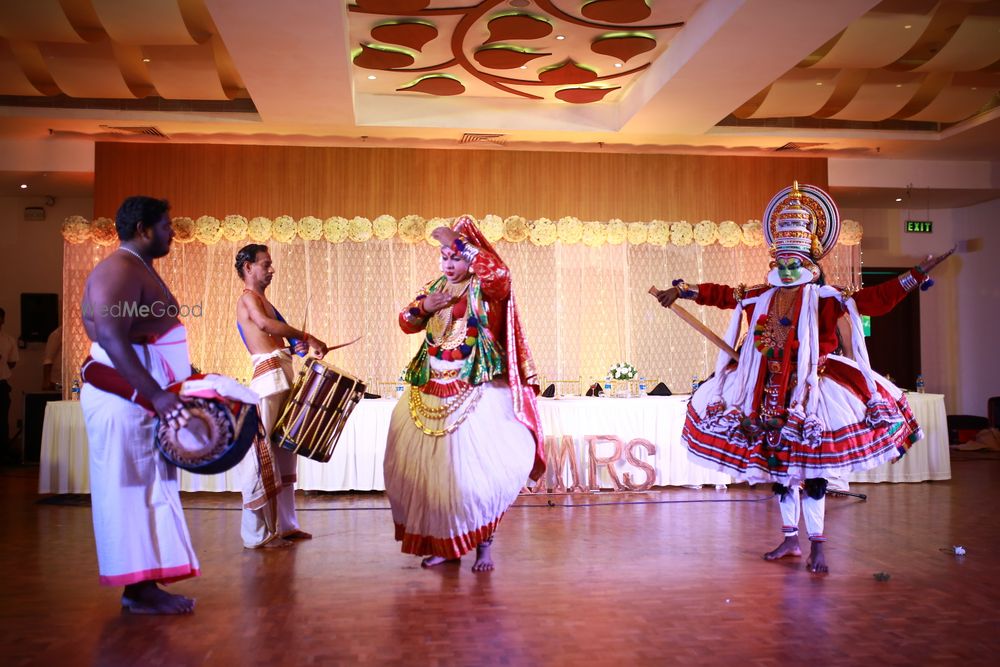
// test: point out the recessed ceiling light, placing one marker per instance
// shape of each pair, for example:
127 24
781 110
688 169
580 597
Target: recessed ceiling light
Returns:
899 199
973 88
907 26
618 64
145 60
560 36
899 85
819 83
24 186
372 77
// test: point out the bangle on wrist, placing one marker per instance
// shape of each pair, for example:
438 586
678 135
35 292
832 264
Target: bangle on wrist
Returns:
685 290
465 249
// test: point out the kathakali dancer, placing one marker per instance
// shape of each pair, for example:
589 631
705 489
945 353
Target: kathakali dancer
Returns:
790 411
466 436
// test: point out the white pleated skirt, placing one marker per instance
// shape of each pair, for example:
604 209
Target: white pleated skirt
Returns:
449 493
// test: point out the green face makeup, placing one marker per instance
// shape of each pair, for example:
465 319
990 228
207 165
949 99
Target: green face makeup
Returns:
789 269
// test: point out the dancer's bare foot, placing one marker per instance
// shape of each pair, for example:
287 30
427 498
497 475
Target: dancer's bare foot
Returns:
148 598
297 534
273 543
790 547
433 561
817 559
483 561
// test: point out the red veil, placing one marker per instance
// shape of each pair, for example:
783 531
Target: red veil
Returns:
522 375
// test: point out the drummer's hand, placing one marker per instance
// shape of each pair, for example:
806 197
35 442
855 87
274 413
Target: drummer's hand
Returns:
435 301
300 347
444 236
931 261
170 408
666 297
318 347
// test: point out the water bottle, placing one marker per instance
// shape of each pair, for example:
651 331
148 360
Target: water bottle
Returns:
694 383
74 392
400 386
607 387
642 387
920 384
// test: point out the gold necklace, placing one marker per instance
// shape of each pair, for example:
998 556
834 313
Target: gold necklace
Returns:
417 408
442 328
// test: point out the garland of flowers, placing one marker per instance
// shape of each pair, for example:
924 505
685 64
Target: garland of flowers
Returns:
413 229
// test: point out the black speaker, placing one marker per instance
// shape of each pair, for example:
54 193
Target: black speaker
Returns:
34 417
39 316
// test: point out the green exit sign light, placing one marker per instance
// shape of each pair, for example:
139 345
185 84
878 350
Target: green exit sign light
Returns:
919 226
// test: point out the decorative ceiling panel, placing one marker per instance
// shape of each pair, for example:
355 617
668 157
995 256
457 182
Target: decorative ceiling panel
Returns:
85 70
974 46
114 49
956 103
562 52
185 72
37 21
797 94
895 62
12 78
874 40
881 96
147 23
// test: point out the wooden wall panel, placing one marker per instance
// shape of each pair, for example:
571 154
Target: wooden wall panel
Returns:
217 180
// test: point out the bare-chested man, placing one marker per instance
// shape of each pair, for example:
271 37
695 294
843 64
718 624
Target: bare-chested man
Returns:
268 473
139 346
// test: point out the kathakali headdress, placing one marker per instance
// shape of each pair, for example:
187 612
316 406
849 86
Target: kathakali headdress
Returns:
801 221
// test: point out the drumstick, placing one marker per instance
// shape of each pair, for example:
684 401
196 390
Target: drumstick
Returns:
700 328
337 347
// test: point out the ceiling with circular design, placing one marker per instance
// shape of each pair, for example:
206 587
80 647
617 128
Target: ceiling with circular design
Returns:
533 50
909 78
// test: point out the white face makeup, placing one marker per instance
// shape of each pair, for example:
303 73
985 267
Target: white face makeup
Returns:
453 265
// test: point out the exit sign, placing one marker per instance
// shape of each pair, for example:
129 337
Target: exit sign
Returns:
919 226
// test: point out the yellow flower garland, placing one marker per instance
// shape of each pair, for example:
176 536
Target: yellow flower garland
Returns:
413 228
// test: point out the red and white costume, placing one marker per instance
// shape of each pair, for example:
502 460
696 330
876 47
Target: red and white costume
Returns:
790 411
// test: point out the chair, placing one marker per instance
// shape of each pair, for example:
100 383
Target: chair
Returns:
962 428
557 388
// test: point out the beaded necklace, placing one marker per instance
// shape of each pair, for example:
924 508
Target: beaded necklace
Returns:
771 331
450 336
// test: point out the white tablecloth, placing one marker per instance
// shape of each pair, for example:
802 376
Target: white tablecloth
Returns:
357 459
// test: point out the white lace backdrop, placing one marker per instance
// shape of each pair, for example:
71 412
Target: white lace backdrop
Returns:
584 308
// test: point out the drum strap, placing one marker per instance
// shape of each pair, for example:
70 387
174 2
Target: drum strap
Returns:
108 379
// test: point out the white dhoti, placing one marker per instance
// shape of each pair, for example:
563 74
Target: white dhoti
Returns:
448 493
266 515
139 525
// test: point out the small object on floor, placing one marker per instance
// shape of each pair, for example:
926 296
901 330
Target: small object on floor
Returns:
881 576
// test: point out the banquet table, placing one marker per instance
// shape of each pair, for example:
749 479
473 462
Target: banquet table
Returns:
357 460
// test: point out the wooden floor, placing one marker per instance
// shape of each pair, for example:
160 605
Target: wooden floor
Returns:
675 579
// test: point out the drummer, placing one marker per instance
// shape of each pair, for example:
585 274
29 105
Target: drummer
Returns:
141 536
267 474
